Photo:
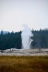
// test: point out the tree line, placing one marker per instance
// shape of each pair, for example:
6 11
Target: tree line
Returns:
40 39
10 40
13 39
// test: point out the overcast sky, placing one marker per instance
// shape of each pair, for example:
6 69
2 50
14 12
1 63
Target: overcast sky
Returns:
15 13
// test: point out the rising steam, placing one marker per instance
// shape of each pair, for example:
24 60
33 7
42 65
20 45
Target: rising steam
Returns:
26 37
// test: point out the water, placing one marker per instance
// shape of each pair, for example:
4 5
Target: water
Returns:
26 37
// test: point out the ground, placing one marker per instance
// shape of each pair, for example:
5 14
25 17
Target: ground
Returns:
23 63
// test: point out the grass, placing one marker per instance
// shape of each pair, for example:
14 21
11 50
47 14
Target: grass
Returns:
23 63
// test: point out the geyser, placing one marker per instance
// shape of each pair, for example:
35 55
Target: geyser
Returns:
26 37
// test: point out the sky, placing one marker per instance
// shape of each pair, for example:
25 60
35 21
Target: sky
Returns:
15 13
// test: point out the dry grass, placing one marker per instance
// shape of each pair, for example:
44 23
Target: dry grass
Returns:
23 63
